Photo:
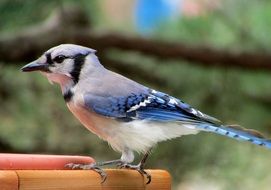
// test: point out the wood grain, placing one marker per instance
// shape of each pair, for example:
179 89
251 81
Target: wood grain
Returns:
90 180
9 180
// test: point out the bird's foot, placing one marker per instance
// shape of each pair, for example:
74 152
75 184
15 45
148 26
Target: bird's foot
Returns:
138 167
92 166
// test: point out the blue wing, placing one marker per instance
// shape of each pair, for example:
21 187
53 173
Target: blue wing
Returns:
148 105
158 106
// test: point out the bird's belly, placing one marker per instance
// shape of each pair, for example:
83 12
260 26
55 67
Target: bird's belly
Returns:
96 124
135 135
104 127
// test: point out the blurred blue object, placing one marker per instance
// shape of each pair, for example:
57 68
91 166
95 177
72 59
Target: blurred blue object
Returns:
149 14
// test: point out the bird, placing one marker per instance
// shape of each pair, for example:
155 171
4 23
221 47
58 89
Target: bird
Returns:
129 116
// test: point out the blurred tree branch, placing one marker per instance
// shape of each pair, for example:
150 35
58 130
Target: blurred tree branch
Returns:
264 100
70 25
6 147
133 71
67 25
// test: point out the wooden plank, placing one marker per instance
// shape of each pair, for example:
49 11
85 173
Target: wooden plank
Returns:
8 180
90 180
161 180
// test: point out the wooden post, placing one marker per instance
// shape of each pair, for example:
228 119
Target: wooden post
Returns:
121 179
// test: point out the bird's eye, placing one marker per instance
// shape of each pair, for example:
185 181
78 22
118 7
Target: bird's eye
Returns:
59 58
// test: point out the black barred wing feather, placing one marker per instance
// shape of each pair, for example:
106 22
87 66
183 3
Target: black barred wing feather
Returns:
168 102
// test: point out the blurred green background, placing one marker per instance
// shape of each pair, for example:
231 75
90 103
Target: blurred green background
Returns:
34 118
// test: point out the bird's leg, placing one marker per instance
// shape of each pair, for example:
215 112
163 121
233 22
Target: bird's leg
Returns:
139 167
95 167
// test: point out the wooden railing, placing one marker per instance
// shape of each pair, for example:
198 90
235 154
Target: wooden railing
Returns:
43 172
82 180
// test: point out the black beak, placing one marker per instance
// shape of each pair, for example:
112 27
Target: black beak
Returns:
35 66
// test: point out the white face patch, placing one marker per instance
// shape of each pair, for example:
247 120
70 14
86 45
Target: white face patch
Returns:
63 68
42 59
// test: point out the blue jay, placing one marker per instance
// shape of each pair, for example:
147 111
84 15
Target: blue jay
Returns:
129 116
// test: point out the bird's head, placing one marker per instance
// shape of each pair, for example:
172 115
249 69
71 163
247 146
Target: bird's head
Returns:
63 64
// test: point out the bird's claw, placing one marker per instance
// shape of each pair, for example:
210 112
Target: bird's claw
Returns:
94 167
138 168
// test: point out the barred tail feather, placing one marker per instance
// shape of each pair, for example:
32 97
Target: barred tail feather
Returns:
238 133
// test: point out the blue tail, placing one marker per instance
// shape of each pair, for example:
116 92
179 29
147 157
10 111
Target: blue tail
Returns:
237 132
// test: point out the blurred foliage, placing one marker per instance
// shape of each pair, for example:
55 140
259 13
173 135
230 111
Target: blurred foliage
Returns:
34 117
